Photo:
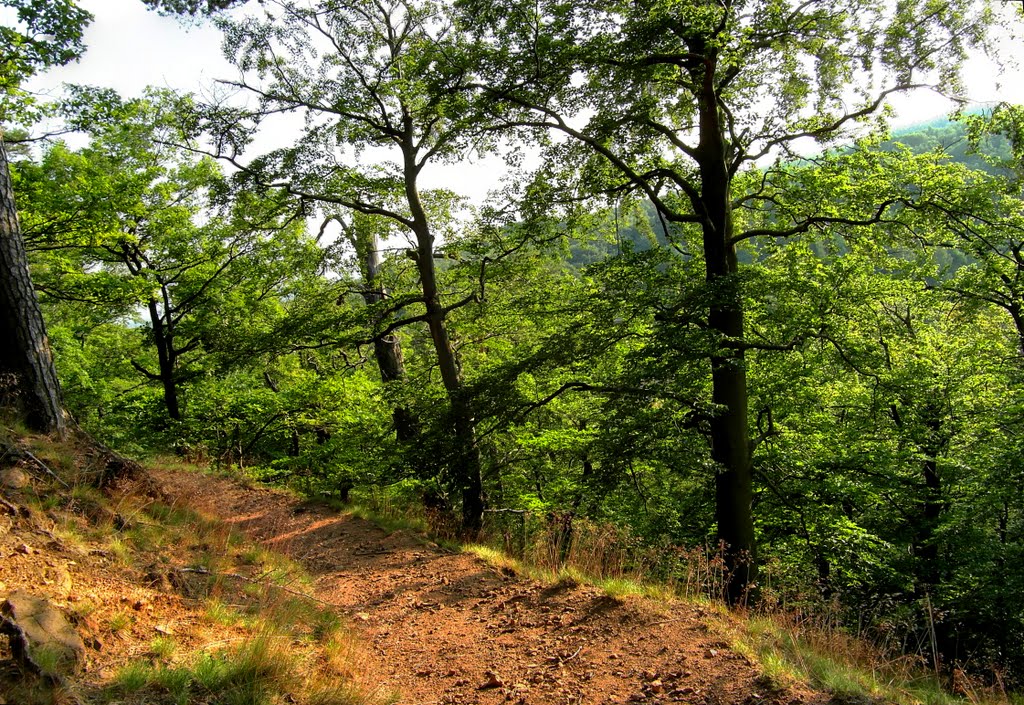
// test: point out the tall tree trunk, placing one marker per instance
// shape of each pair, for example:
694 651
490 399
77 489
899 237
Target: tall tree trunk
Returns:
28 379
926 541
730 441
387 351
466 464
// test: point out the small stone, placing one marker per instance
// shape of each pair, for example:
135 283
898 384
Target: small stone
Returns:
61 580
14 478
650 675
362 616
163 629
711 653
24 549
493 681
424 672
656 686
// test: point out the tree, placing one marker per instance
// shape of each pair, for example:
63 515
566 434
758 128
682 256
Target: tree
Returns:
984 218
369 76
685 104
130 221
362 234
48 34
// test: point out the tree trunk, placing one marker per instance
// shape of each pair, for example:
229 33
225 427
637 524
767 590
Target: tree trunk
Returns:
28 379
466 462
730 441
387 350
166 359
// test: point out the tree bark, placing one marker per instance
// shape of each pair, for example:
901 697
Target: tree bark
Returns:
28 379
167 359
387 351
729 426
466 464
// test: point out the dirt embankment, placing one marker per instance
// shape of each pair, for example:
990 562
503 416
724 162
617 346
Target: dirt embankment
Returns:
449 628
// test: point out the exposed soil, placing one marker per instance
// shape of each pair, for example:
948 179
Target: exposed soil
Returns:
449 628
65 554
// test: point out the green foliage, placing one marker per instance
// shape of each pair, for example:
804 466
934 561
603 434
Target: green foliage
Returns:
879 283
45 33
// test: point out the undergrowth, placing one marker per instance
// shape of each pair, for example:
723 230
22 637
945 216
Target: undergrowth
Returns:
283 646
289 648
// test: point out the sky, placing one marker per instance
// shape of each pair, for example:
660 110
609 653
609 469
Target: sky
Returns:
131 47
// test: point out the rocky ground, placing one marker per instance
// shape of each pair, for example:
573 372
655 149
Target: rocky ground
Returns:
449 628
433 626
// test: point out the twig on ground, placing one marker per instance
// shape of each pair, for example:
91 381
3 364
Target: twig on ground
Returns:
567 660
45 468
665 621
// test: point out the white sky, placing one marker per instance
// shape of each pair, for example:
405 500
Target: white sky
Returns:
130 48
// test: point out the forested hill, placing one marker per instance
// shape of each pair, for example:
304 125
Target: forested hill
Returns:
884 405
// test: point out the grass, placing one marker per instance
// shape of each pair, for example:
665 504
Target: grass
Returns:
311 660
385 519
274 647
835 662
220 613
254 643
250 674
162 648
119 621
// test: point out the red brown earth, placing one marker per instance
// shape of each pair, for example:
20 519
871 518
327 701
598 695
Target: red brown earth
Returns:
449 628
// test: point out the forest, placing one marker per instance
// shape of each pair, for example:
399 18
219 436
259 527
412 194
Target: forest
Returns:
718 309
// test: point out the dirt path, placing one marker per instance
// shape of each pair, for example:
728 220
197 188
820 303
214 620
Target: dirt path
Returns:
451 629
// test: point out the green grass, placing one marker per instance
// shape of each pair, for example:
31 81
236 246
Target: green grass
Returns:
252 674
162 647
118 622
283 648
834 662
297 654
388 521
217 612
174 516
302 653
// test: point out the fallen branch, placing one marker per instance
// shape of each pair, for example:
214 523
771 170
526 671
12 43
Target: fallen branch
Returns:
14 508
45 468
